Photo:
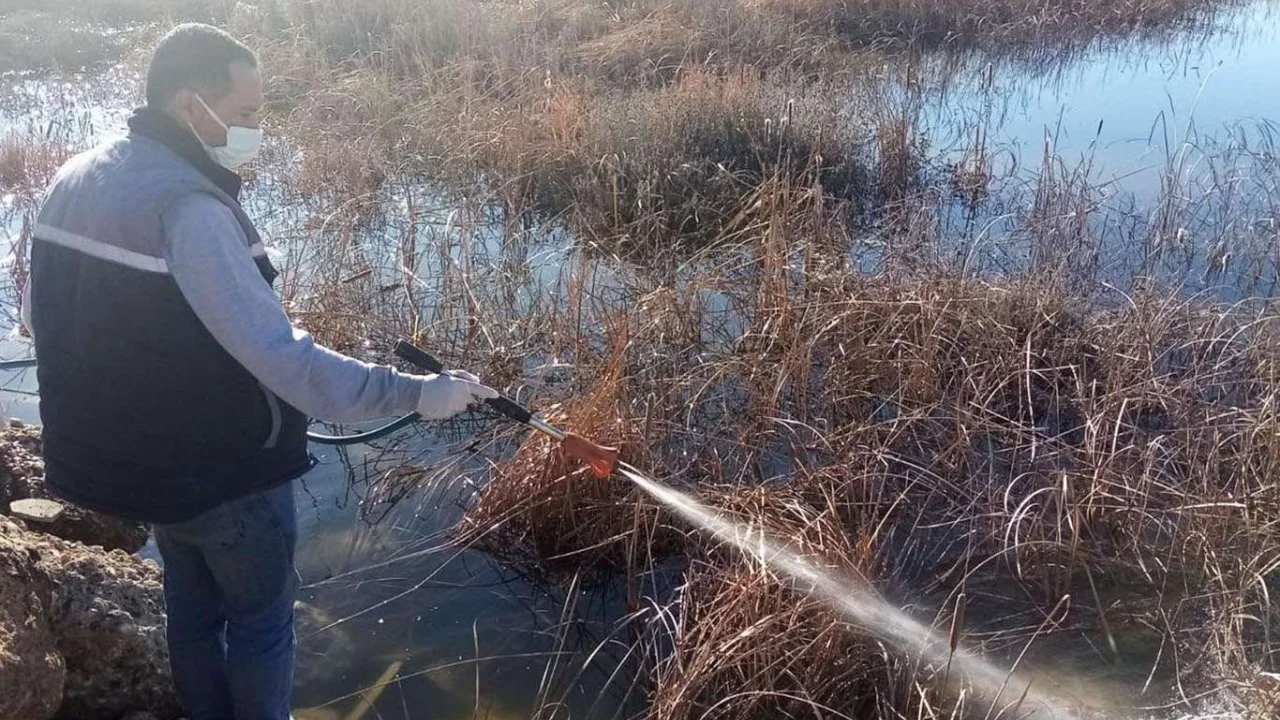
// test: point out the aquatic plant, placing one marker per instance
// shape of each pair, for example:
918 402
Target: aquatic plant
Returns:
750 645
1007 436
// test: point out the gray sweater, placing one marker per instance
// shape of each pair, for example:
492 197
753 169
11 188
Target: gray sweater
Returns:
206 256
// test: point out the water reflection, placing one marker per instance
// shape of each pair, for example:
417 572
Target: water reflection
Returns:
1128 107
383 589
1152 157
465 638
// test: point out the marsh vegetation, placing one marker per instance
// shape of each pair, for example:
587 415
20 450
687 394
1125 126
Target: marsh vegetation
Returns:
755 244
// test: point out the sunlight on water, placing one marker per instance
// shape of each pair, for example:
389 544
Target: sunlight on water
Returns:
999 687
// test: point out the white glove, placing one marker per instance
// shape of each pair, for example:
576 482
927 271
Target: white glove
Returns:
450 393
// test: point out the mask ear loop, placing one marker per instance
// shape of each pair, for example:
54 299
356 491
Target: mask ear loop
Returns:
212 114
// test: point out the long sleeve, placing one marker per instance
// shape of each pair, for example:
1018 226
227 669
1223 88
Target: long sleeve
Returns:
207 256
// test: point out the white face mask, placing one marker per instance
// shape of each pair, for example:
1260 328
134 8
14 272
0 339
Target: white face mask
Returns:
243 143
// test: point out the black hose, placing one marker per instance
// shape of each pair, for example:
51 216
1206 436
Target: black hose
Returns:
364 437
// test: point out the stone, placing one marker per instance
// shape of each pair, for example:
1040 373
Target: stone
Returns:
32 672
94 625
36 510
22 478
109 625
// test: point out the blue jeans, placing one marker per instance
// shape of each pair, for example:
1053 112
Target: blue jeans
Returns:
229 589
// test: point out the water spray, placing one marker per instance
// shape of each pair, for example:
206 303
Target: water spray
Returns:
1008 694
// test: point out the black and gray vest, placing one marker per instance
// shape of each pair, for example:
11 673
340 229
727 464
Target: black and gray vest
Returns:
145 415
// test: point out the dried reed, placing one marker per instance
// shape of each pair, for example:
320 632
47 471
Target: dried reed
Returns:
750 646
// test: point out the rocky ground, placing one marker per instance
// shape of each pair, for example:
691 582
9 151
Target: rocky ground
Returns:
81 627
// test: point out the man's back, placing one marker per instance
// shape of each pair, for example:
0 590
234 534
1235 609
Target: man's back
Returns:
145 414
164 358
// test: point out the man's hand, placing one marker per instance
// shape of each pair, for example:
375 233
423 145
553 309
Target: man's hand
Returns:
450 393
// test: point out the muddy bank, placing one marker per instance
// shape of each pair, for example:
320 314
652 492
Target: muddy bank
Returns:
22 477
81 620
81 631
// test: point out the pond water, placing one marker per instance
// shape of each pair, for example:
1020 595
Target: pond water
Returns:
1127 107
385 596
1168 143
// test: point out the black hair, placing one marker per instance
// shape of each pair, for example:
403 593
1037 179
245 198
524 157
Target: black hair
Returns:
194 56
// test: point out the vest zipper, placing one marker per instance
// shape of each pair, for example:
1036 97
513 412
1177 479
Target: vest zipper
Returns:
273 404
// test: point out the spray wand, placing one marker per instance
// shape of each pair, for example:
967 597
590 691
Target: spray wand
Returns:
602 460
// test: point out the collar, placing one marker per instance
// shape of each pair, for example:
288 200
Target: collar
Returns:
158 126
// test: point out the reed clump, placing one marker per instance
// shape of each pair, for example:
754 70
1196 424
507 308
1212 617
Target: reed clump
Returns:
674 165
638 126
749 644
1018 25
649 41
1049 456
27 164
548 516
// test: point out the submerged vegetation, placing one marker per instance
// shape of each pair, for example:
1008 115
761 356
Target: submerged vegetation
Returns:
715 233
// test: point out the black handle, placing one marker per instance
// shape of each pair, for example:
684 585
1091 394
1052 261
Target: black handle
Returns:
409 352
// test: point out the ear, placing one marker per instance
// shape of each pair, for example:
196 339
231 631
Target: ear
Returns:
184 108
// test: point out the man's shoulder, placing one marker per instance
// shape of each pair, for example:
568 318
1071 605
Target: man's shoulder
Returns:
133 165
122 177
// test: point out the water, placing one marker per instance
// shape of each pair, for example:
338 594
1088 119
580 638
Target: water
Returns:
388 592
381 586
1168 143
1126 107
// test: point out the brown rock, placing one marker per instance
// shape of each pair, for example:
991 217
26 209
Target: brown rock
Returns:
109 626
102 617
31 668
22 477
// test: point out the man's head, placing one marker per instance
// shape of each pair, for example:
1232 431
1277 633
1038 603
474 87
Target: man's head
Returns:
195 63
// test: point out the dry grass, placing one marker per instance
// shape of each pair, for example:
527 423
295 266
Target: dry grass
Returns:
650 41
546 514
1074 461
641 126
748 645
1030 26
26 167
677 163
1004 442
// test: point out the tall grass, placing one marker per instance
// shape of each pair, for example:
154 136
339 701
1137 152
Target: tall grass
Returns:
748 645
640 124
698 231
1093 463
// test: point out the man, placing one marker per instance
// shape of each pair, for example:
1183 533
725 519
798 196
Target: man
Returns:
174 390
